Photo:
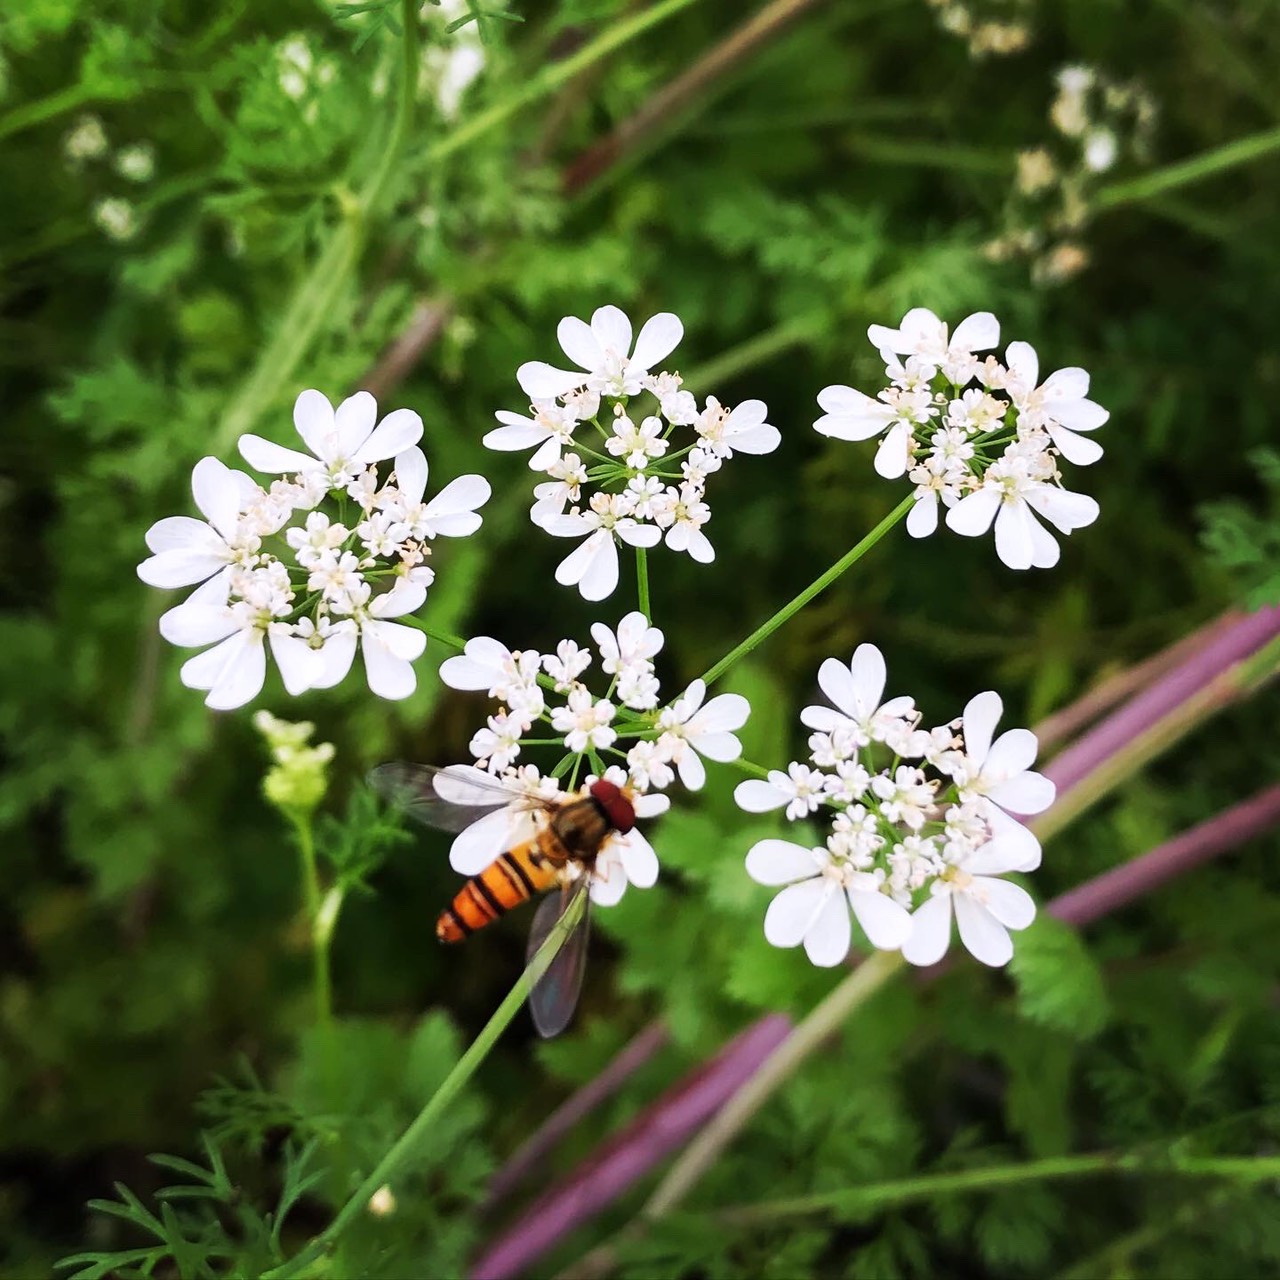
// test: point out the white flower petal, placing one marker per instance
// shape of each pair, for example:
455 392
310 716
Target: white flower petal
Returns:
1028 792
886 924
195 623
171 569
274 459
1065 510
638 858
658 338
981 715
827 941
894 454
336 656
608 882
520 434
405 597
592 567
1066 385
353 424
985 938
972 515
484 840
1078 449
232 671
640 535
217 493
389 675
405 643
978 332
691 770
411 475
1023 363
922 519
868 672
930 931
1013 752
611 329
1080 415
1012 846
299 663
792 913
775 861
313 420
717 746
396 433
1015 537
757 796
724 712
451 513
541 381
1011 904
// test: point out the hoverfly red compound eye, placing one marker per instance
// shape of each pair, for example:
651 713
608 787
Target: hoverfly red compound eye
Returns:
617 808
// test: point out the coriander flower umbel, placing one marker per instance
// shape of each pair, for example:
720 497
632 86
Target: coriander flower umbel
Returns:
321 563
626 720
649 470
918 823
978 439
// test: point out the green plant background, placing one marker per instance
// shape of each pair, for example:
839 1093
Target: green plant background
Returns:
150 942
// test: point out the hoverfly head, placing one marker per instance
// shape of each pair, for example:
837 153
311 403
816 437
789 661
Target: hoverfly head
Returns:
617 807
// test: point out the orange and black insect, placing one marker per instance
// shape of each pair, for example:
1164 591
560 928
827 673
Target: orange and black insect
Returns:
541 844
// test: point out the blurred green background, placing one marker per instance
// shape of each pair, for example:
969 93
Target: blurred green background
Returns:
172 173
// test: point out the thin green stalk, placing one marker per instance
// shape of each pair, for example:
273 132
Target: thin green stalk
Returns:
851 557
444 637
885 1195
642 582
410 1142
319 930
1185 172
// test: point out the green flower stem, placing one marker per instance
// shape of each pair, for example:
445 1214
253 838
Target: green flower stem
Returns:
320 919
851 557
443 637
642 582
886 1195
410 1142
1185 172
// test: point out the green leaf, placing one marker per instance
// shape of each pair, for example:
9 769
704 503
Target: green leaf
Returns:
1059 984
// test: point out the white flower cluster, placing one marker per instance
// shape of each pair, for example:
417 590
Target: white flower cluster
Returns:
648 486
314 565
920 825
977 437
664 740
546 688
1099 124
991 28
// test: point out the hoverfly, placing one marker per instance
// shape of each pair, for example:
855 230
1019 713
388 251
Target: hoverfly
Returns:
527 843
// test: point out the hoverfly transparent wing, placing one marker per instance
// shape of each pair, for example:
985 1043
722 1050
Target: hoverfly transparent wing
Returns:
449 799
555 996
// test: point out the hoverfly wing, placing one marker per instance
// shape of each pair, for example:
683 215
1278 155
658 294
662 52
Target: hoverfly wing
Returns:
555 995
449 799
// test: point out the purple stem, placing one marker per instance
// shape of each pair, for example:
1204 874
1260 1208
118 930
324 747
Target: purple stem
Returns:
1137 715
1131 880
576 1108
630 1154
